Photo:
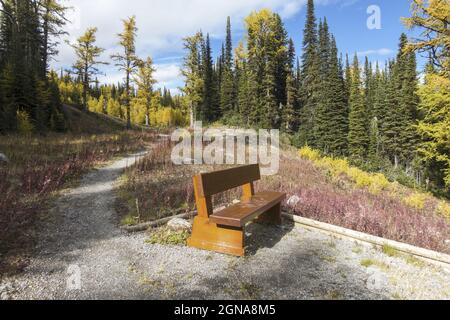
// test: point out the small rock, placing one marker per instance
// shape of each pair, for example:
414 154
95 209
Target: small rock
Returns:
5 291
4 296
293 201
3 158
377 282
178 224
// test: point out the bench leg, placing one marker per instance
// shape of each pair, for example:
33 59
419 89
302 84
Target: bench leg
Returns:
273 216
212 237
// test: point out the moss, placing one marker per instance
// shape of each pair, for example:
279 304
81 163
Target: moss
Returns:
249 291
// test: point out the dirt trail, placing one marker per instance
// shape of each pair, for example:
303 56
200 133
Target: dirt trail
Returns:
81 234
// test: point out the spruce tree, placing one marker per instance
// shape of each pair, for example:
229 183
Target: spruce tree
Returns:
210 108
310 79
289 113
227 86
358 123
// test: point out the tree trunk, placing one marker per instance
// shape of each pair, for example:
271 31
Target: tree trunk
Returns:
127 101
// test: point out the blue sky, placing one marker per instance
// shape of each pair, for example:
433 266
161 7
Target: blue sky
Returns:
163 24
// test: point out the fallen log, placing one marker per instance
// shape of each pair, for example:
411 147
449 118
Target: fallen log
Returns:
157 223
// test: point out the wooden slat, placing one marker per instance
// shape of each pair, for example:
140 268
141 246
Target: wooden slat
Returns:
220 181
240 214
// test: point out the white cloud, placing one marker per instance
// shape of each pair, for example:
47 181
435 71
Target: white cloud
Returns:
167 72
162 25
378 52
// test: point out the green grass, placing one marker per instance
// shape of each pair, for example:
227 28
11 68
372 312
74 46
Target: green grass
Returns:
357 249
371 262
414 261
333 295
367 262
128 220
165 236
390 251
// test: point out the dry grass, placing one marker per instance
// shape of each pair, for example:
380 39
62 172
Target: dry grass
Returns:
159 189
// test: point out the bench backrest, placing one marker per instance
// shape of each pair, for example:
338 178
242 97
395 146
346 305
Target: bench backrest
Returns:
208 184
220 181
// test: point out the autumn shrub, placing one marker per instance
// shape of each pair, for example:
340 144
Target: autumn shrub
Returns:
373 205
443 208
416 200
24 125
336 167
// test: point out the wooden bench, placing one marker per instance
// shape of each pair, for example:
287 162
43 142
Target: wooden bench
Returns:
224 231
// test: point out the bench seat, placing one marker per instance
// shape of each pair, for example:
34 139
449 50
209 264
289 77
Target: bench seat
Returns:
240 214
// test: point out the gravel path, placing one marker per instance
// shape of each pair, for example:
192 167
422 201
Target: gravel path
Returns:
81 235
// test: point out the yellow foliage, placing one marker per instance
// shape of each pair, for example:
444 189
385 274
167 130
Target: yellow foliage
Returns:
309 153
443 209
113 108
92 104
167 117
374 182
24 125
416 200
336 167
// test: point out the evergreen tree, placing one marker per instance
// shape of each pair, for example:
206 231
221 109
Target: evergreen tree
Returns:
358 126
210 108
227 87
310 78
53 19
291 108
262 66
323 110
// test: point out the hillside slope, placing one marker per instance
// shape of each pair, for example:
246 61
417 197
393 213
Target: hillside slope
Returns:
90 123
